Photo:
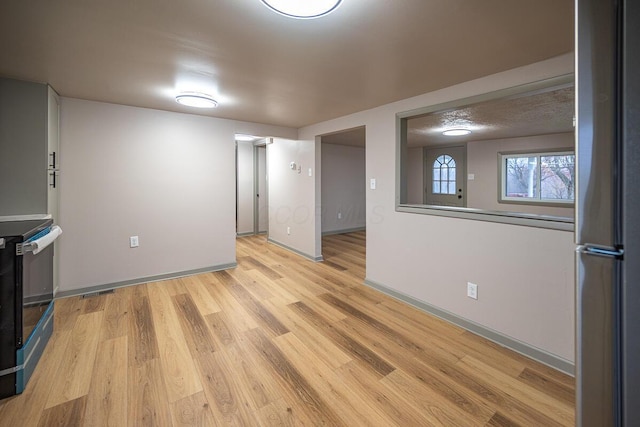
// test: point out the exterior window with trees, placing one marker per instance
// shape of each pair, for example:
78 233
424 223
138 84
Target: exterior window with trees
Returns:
538 178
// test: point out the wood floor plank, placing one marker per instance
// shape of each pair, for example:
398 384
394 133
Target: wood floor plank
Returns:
172 286
499 420
195 330
93 303
259 391
283 414
536 399
272 287
64 414
271 274
345 402
181 376
148 403
228 402
548 385
293 380
345 341
66 312
430 350
441 404
253 281
263 316
193 410
143 345
203 299
75 373
106 402
424 338
116 314
239 317
356 376
223 334
322 346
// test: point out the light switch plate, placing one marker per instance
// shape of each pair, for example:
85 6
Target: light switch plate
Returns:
372 183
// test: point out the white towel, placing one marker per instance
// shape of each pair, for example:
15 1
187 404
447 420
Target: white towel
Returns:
41 243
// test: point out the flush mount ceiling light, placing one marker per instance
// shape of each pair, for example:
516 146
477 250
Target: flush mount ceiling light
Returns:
196 99
302 9
456 132
240 137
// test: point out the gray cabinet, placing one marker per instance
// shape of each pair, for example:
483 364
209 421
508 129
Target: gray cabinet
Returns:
29 149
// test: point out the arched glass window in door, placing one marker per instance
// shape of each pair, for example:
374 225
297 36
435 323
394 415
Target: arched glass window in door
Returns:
444 175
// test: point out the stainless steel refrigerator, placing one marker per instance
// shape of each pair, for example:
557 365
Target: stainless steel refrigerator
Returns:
608 213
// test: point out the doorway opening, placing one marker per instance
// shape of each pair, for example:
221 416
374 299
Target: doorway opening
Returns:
252 201
343 197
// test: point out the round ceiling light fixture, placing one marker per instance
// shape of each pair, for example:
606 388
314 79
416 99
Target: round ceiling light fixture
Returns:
302 9
196 99
456 132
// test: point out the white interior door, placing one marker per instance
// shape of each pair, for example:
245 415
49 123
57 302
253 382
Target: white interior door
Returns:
445 169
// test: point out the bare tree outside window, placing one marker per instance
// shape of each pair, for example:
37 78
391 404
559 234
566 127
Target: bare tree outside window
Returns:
543 177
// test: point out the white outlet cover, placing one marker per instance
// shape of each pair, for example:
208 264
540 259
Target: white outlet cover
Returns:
134 242
372 183
472 290
310 172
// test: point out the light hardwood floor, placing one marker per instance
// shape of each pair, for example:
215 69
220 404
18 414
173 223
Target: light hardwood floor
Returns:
277 341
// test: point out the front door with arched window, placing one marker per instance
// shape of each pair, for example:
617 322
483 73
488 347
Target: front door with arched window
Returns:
445 170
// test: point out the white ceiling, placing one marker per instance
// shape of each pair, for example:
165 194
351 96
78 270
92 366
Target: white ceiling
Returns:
264 67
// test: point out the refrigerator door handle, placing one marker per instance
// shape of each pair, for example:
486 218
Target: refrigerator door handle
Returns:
601 251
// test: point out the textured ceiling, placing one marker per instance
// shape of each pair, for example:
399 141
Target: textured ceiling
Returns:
267 68
539 113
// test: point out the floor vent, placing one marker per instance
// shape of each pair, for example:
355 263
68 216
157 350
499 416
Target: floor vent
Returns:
95 294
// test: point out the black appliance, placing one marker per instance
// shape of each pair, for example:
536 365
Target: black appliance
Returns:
26 299
608 213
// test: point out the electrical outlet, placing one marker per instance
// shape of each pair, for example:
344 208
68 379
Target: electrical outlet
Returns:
134 242
472 290
288 230
339 215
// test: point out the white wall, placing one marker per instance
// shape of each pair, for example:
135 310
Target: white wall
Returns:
415 176
292 195
246 191
343 188
166 177
525 275
482 161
